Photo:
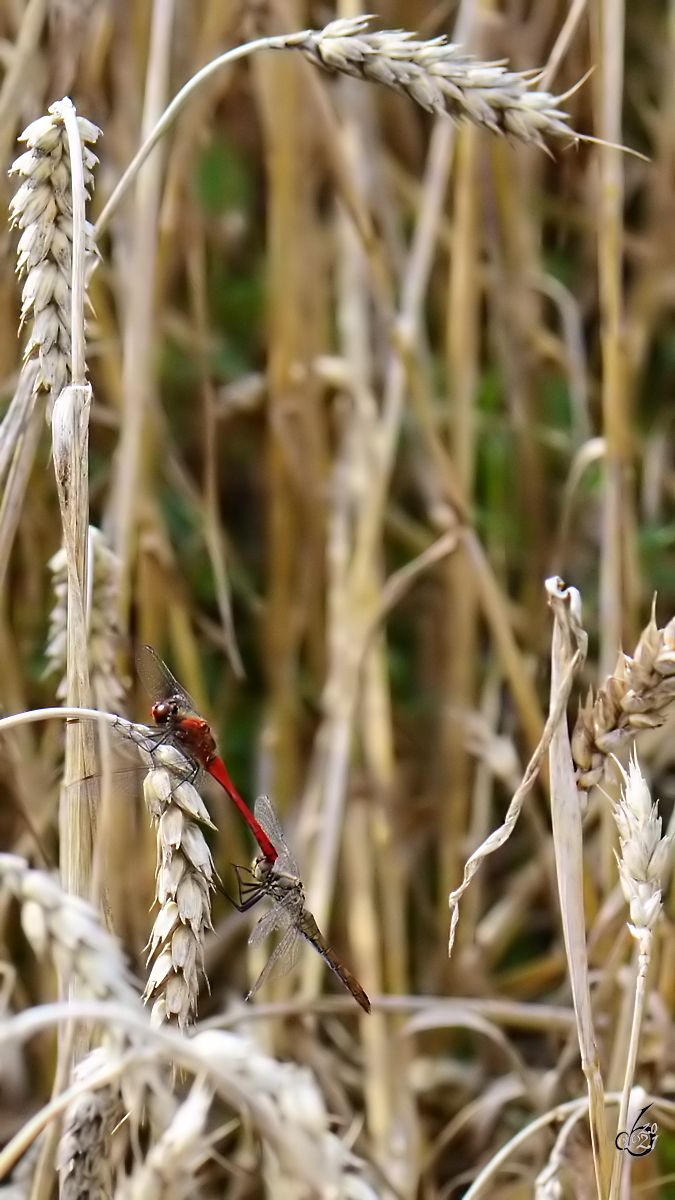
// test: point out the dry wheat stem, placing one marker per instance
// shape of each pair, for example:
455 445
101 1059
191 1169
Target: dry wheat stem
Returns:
383 1099
20 468
487 1175
138 324
352 586
130 729
435 74
568 846
547 1185
16 416
14 81
501 835
79 194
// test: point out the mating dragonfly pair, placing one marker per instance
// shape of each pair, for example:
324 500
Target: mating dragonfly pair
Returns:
275 873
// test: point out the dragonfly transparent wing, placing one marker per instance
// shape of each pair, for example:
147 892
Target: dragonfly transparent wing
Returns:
278 917
158 681
282 960
266 816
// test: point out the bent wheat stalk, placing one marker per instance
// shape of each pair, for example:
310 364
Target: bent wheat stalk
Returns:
435 74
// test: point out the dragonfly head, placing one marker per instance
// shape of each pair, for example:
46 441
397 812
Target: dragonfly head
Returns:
165 711
263 867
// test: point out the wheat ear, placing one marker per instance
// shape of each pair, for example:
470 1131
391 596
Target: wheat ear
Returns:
643 862
435 74
635 697
170 1167
184 882
104 628
68 929
83 1157
440 77
42 209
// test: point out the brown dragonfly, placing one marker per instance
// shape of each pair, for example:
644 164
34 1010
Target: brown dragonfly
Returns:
279 880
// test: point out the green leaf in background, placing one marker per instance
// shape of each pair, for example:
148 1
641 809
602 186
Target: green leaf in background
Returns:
223 179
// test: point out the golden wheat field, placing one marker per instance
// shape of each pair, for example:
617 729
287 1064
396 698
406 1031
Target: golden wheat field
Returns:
337 366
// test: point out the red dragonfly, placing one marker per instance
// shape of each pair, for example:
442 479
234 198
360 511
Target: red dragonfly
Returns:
279 880
175 712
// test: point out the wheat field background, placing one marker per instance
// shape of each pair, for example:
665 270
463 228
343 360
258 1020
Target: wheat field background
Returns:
378 455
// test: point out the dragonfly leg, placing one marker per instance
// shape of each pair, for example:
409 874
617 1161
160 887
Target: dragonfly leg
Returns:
249 893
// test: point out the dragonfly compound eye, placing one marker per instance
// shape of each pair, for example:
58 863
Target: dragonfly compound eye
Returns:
165 711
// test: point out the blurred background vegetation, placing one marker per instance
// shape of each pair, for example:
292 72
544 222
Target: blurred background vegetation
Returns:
240 355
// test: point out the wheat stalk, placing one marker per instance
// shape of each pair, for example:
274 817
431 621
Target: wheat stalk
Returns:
435 74
547 1185
20 1183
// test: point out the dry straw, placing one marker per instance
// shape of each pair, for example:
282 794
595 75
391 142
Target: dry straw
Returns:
548 1184
568 652
20 1184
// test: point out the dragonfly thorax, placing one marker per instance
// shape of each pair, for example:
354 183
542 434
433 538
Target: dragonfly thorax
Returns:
275 881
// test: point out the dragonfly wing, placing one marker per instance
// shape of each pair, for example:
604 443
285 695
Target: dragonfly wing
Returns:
159 682
282 960
268 819
277 918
